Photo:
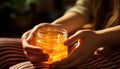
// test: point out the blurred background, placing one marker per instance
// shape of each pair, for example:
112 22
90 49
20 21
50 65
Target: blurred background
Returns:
18 16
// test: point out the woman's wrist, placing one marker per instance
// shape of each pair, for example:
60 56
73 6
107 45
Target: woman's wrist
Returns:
110 36
102 37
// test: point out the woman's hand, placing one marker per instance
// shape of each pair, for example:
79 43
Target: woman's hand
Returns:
34 53
88 42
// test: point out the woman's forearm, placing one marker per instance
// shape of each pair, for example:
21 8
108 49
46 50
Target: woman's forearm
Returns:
110 36
71 22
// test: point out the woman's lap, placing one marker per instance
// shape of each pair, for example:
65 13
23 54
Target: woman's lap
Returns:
11 52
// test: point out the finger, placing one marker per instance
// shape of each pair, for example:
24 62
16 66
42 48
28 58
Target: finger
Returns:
74 38
28 47
72 48
83 54
72 56
35 29
38 57
25 35
24 41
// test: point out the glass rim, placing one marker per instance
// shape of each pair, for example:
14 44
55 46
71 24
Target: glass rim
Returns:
61 30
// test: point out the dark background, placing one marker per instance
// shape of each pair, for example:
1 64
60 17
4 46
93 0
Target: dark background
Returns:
18 16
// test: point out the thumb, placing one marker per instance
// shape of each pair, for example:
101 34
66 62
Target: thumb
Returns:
35 29
74 38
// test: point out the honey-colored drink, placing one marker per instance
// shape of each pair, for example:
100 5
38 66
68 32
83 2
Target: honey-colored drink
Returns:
51 39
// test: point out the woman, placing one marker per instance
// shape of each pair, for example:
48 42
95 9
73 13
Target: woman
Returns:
104 15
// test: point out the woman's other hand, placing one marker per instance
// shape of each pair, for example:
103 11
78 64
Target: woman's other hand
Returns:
87 42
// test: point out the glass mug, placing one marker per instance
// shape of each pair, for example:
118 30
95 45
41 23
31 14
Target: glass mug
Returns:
51 39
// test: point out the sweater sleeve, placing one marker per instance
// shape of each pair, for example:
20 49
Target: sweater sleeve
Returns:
81 7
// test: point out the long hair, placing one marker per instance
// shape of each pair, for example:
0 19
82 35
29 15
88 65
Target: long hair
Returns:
115 19
106 13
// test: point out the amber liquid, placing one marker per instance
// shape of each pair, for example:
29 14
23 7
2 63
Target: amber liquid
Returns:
52 43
